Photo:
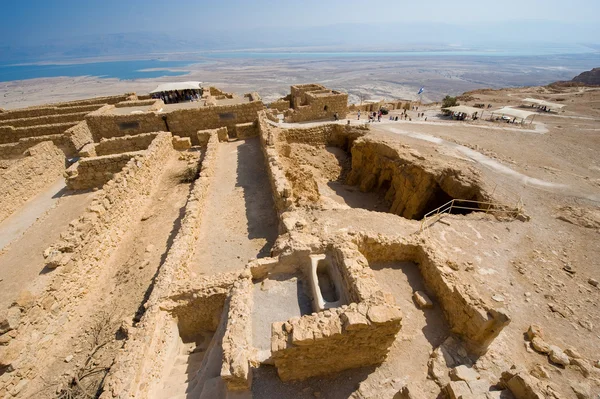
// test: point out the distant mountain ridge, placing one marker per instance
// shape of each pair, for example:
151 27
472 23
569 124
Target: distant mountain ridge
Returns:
589 78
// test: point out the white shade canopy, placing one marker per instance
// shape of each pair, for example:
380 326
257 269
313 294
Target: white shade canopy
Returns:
515 113
464 109
544 103
177 86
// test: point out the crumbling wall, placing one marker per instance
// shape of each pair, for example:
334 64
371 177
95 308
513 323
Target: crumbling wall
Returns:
9 134
79 135
468 315
124 144
281 105
41 166
44 120
46 110
246 130
411 184
280 185
181 122
84 250
129 375
94 172
334 340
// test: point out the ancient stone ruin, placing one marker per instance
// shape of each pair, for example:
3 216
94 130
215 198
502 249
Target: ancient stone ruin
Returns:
223 254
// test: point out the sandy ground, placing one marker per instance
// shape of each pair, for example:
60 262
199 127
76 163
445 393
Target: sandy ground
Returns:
28 232
239 220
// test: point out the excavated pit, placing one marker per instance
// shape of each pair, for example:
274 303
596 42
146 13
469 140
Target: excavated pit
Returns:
194 348
360 173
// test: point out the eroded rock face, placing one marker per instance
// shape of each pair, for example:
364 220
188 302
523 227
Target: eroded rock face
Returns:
411 184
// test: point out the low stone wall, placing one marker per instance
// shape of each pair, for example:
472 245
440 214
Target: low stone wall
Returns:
44 120
117 145
204 136
84 250
467 313
9 134
47 110
136 103
41 166
334 340
15 150
94 172
246 130
280 105
79 135
128 376
280 185
181 122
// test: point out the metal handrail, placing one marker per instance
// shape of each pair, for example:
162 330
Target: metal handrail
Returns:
496 207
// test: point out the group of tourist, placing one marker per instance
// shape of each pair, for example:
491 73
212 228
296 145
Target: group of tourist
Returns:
403 116
178 96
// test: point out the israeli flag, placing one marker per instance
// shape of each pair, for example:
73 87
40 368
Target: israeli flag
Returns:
421 90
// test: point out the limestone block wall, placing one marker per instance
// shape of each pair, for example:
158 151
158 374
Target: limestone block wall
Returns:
94 172
334 340
317 104
246 130
79 135
136 103
84 250
44 120
41 165
467 313
181 122
124 144
280 185
280 105
132 367
9 134
47 110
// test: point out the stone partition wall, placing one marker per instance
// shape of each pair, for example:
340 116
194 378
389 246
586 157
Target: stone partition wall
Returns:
122 144
94 172
246 130
337 339
79 135
469 316
46 111
181 122
44 120
83 253
41 165
9 134
128 376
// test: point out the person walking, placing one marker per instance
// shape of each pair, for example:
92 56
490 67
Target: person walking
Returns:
358 114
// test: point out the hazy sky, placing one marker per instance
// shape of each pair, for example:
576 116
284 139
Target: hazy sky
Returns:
37 20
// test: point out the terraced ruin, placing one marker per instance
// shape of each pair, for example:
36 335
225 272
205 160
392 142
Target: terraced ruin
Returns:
158 251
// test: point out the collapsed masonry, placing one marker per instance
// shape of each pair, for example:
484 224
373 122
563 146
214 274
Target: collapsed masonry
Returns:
321 278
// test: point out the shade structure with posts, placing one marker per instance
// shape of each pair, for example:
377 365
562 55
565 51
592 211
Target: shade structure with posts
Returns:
542 103
513 113
165 87
464 109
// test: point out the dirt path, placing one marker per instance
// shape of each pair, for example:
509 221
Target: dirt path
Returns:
239 222
22 263
16 224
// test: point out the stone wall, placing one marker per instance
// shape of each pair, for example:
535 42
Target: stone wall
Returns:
9 134
334 340
315 102
95 171
181 122
468 314
44 120
246 130
79 135
46 111
83 252
41 166
128 376
280 105
124 144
